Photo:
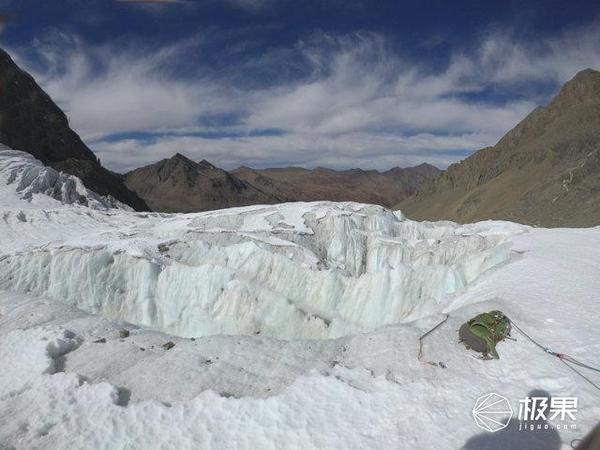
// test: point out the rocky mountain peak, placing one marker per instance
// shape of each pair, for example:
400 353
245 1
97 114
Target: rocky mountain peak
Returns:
179 159
584 86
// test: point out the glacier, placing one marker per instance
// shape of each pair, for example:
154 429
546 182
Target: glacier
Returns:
289 326
292 271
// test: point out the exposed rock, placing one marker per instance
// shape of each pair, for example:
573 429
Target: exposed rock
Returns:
545 171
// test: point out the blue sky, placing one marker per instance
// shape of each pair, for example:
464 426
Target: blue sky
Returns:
269 83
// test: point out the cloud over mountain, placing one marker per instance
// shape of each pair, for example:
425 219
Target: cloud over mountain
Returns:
344 100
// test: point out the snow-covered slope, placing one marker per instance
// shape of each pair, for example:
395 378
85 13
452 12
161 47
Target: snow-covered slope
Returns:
22 177
364 275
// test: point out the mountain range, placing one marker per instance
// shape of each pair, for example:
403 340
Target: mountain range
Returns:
179 184
366 186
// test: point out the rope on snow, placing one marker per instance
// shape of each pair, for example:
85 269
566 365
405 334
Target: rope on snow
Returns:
420 356
564 358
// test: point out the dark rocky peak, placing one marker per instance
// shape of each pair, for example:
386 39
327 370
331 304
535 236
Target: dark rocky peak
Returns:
205 165
179 159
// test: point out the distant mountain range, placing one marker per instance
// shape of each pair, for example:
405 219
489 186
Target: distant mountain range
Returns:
545 171
179 184
30 121
366 186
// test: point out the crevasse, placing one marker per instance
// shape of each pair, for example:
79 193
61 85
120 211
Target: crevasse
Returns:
291 271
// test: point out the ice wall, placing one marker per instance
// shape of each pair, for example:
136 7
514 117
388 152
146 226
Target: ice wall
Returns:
299 270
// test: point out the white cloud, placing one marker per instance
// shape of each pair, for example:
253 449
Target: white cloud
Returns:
508 60
107 90
359 103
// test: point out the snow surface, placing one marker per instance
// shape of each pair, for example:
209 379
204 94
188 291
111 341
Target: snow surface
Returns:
247 283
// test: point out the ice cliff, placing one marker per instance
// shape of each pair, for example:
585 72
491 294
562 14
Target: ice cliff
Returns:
296 270
24 177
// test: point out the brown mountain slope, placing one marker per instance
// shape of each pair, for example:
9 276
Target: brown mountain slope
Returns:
545 171
30 121
179 184
367 186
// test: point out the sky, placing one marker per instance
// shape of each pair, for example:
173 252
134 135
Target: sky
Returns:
272 83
